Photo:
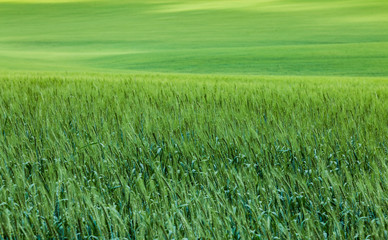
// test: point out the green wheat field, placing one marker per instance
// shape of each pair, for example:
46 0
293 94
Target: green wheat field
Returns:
193 119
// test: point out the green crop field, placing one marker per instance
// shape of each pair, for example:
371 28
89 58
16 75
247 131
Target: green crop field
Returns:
193 119
261 37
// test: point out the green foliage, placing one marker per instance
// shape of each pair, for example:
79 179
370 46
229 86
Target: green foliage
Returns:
174 156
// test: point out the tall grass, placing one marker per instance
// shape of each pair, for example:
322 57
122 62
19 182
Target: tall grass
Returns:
180 156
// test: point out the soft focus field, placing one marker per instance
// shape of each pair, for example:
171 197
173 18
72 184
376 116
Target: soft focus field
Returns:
174 156
222 119
266 37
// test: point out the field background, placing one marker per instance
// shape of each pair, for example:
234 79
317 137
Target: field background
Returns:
264 37
200 119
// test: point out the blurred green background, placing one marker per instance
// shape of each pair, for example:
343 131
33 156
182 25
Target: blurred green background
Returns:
273 37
